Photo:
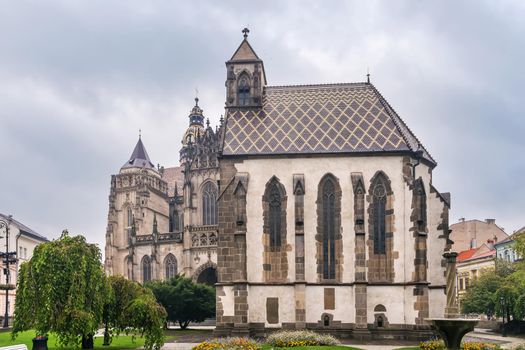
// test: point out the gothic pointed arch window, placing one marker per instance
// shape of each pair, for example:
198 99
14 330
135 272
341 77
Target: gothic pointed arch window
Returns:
170 265
275 260
420 206
379 193
209 204
274 201
146 268
243 90
129 220
328 202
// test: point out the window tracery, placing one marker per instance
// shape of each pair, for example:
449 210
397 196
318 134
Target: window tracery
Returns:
170 264
209 204
379 216
146 268
328 229
244 90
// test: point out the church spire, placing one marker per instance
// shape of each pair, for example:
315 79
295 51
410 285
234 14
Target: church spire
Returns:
139 157
196 116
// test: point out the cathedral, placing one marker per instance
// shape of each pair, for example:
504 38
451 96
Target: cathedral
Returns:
163 221
309 206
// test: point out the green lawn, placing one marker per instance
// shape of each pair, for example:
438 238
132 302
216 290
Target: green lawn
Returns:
122 342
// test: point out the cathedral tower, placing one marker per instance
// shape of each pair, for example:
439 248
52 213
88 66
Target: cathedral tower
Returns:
138 206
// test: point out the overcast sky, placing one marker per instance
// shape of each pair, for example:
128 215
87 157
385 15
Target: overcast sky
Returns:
79 78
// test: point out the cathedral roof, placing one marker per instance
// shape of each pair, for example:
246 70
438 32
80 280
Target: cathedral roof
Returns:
331 118
139 158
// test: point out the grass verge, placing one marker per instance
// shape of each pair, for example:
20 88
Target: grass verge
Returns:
122 342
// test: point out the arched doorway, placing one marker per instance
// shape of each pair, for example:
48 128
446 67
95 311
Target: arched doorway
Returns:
208 276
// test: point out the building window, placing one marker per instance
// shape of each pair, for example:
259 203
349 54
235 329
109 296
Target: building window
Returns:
274 201
146 268
466 282
461 284
328 229
244 91
25 253
209 204
379 217
170 264
130 221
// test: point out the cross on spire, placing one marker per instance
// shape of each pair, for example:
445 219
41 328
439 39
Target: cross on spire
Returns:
245 32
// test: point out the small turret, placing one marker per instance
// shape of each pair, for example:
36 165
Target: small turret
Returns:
245 77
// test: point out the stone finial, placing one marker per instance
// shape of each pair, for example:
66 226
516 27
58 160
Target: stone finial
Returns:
245 32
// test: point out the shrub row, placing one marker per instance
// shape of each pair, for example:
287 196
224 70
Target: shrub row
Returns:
440 345
233 343
285 339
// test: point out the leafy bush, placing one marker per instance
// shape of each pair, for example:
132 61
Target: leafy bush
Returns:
184 300
519 347
234 343
133 309
436 344
286 339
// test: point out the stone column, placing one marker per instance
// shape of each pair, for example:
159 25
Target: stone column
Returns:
451 310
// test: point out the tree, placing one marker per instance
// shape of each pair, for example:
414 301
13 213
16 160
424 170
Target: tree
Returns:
184 300
62 289
519 245
131 308
480 297
505 268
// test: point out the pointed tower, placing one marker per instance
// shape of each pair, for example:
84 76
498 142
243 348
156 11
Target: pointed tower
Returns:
139 158
245 78
194 132
138 208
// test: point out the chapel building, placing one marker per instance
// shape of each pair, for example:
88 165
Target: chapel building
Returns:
328 218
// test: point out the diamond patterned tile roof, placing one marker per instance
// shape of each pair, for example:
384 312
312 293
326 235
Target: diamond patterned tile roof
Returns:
306 119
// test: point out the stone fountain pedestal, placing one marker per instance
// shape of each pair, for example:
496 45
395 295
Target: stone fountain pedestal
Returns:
452 328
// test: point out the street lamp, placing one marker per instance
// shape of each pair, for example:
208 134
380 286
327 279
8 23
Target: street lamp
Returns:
503 330
8 258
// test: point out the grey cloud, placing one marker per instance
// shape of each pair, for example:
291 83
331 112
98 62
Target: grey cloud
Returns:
78 79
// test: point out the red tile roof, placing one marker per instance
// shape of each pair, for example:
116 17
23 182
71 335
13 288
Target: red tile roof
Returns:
466 254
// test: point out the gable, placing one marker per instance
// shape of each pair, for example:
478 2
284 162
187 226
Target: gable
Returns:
244 52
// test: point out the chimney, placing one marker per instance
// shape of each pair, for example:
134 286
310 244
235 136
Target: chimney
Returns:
490 221
461 219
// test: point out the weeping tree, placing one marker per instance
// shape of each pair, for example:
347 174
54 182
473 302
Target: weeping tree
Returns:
62 290
131 308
